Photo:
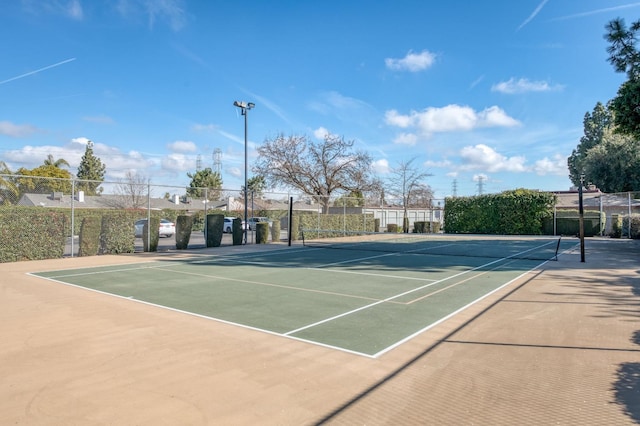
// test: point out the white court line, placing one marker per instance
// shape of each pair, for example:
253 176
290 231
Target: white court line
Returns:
248 327
344 314
370 274
389 298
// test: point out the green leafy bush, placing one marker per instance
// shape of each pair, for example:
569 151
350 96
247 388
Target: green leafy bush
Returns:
275 231
150 241
262 232
516 212
90 236
116 233
184 224
32 234
215 222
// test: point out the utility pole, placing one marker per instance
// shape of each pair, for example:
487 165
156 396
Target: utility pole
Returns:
581 221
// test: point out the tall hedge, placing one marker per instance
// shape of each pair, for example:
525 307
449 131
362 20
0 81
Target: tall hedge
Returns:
516 212
215 223
89 242
151 234
116 234
262 232
275 231
184 224
237 233
32 234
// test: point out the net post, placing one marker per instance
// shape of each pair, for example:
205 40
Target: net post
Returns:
557 248
290 220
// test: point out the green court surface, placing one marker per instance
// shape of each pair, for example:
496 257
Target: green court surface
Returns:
360 301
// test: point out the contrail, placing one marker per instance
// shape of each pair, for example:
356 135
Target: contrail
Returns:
533 15
594 12
37 71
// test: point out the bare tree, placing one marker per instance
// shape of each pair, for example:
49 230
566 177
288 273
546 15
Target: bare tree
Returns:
317 169
406 182
131 191
421 197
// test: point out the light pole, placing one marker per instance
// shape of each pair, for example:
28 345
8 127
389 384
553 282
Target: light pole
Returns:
244 108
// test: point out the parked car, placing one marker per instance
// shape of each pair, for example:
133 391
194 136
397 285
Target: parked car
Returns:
167 228
253 220
227 226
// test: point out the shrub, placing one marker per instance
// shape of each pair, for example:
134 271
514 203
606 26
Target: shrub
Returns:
392 227
215 222
420 227
516 212
150 242
275 230
184 225
116 234
262 232
237 232
90 236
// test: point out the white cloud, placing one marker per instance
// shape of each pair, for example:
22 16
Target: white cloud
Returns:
523 85
177 162
406 139
450 118
412 62
380 166
182 146
554 166
393 118
81 140
483 157
16 131
438 164
321 133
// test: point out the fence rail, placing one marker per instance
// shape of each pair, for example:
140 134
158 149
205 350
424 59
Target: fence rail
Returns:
78 199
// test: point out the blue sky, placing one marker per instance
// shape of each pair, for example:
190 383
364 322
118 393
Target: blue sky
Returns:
475 91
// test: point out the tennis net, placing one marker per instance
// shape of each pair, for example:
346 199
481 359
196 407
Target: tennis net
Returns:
489 246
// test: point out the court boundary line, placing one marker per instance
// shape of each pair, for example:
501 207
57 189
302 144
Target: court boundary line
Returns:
288 334
219 320
326 320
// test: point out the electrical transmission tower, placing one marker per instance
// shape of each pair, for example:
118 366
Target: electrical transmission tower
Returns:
198 163
480 185
217 161
454 188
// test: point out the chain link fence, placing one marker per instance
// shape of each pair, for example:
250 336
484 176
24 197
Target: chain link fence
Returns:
48 213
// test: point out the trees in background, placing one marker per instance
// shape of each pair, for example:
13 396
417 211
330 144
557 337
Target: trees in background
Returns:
255 185
132 191
407 181
43 180
594 124
318 169
205 178
607 154
605 157
614 164
90 172
50 161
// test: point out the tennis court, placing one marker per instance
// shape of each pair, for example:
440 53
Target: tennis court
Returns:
364 295
557 345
